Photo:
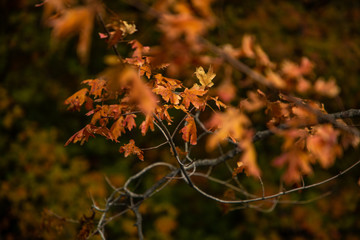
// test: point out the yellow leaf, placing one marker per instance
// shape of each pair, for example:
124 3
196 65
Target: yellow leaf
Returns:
205 78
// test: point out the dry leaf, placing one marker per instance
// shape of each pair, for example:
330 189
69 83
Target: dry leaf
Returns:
205 78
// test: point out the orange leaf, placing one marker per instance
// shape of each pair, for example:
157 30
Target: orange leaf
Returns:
248 46
298 164
218 103
77 99
328 89
248 158
324 145
117 128
174 83
96 86
130 121
167 94
189 131
191 96
230 124
130 148
254 102
77 20
89 131
148 122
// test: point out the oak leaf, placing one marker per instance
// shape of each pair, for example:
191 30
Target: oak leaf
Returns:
189 131
130 148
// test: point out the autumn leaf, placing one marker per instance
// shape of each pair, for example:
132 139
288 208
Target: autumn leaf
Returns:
254 102
324 145
248 46
130 148
129 121
175 26
78 20
231 124
227 90
89 131
162 112
139 49
118 128
294 155
293 70
161 80
192 96
328 89
205 78
218 103
247 161
298 164
167 94
148 122
263 57
77 99
118 30
275 80
189 131
96 86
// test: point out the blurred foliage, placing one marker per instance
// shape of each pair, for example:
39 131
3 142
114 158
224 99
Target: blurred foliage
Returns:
46 189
